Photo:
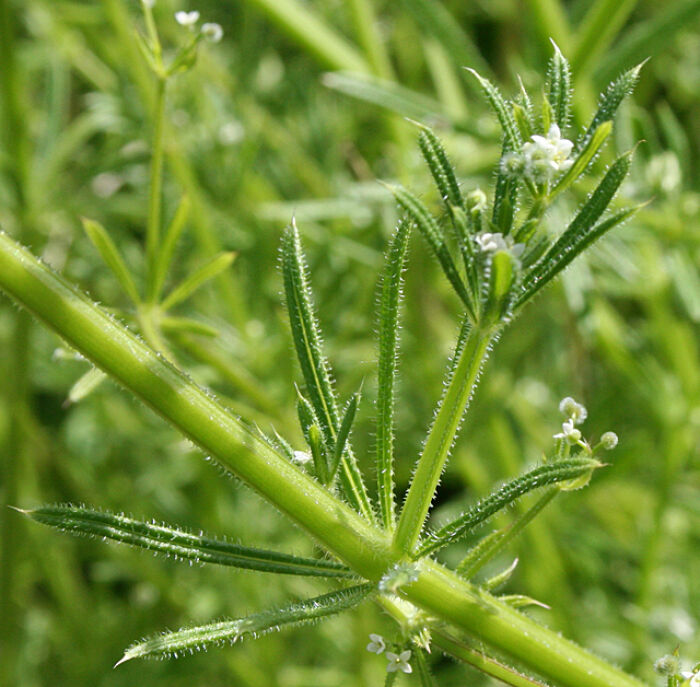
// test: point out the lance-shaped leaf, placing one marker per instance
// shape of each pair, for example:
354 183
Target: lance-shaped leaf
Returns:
180 544
559 87
432 233
609 102
505 199
500 578
541 476
582 231
466 224
189 640
440 167
314 439
85 385
389 302
200 276
505 117
521 601
110 254
341 442
314 368
590 150
497 295
167 249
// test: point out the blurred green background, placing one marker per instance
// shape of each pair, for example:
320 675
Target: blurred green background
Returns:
299 111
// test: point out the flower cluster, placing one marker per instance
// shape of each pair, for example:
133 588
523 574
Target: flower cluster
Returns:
575 414
210 30
395 662
541 158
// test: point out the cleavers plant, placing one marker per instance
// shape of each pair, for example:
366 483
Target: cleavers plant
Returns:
497 255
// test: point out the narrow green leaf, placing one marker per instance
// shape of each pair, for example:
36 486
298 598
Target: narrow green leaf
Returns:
389 303
559 87
501 276
521 601
496 541
167 249
187 324
609 102
581 233
500 578
110 254
465 225
589 151
440 167
432 233
180 544
314 438
505 117
522 120
85 385
314 368
505 199
343 434
199 277
189 640
541 476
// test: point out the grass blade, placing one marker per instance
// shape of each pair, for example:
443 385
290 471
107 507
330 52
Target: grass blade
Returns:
208 271
113 259
189 640
314 368
541 476
386 376
166 251
180 544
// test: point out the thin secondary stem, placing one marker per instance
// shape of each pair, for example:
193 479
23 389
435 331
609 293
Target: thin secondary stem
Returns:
440 439
366 549
155 191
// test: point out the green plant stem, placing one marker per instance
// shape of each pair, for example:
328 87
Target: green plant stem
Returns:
155 191
237 449
440 439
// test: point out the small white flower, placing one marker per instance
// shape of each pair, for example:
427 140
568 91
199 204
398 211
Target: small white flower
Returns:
377 645
212 32
545 156
513 164
609 441
493 242
573 410
188 19
399 662
686 675
302 457
568 432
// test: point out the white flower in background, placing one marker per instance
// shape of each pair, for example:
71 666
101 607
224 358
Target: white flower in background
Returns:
544 156
377 645
400 662
188 19
573 410
212 32
687 675
477 200
569 433
609 440
493 242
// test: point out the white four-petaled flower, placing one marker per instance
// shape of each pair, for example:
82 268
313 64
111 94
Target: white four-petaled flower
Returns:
377 645
544 156
399 662
188 19
569 433
493 242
